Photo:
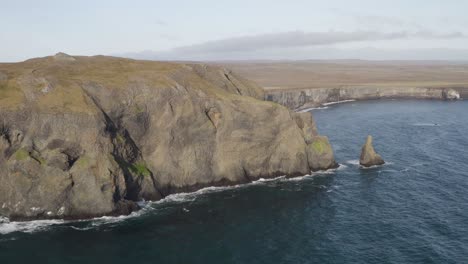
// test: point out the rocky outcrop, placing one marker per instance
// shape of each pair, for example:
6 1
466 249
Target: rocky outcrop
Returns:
63 57
89 136
450 94
368 155
319 151
306 98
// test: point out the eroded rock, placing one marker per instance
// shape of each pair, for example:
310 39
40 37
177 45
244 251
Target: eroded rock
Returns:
368 155
114 131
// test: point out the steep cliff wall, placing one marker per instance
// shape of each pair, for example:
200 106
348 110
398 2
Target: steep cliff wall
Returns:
90 136
305 98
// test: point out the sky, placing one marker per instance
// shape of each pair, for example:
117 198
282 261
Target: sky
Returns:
236 30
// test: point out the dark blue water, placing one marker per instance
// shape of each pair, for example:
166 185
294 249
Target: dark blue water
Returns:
412 210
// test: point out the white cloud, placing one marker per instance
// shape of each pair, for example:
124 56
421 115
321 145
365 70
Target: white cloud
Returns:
253 46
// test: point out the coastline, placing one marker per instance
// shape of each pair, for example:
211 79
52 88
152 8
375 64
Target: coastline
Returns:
33 225
302 100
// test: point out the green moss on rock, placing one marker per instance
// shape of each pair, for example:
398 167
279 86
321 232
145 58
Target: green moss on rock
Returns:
82 162
21 154
120 139
319 146
140 169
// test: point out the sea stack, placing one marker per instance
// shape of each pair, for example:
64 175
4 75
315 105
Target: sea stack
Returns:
368 155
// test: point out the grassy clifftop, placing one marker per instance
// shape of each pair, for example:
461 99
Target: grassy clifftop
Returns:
56 83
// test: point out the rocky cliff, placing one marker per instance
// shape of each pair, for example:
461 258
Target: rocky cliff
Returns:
89 136
298 99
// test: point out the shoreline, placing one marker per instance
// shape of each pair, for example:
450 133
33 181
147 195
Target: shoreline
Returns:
183 191
39 224
306 99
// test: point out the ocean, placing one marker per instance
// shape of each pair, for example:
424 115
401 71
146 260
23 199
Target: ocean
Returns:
413 209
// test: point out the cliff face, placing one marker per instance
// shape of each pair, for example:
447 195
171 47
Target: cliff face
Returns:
90 136
305 98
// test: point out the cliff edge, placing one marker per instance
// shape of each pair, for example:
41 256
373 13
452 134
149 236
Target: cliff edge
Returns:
89 136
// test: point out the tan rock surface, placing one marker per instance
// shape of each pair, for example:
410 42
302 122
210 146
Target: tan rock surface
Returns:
109 132
368 155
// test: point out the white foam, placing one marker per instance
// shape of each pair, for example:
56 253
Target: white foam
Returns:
7 227
313 108
376 166
370 167
299 178
262 180
341 167
356 163
325 106
316 173
114 219
338 102
353 162
330 171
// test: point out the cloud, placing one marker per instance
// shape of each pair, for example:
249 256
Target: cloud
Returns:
379 20
160 22
376 22
305 39
169 37
286 44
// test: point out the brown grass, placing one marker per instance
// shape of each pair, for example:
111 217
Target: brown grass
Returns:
67 79
332 74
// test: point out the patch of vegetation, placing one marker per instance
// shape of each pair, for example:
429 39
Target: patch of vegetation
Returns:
319 146
82 162
11 96
21 154
120 139
140 169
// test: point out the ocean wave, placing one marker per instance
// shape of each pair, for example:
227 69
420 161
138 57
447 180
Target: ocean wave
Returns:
356 163
191 196
262 180
370 167
106 220
316 173
338 102
341 167
353 162
325 106
313 108
7 227
330 171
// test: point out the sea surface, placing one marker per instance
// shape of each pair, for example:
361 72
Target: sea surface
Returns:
414 209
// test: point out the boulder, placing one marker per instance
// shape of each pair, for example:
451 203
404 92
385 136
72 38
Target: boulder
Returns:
368 155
